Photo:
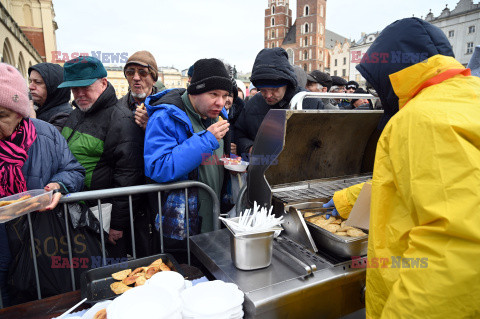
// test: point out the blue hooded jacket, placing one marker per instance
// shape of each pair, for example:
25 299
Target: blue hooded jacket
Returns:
173 152
394 50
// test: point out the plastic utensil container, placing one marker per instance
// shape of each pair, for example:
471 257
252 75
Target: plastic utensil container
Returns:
253 251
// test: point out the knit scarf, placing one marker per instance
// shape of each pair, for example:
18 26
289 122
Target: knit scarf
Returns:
13 154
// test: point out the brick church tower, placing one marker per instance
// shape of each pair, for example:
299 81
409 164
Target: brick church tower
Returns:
278 20
304 41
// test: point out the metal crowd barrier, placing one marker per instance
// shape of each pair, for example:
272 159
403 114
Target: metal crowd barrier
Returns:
118 192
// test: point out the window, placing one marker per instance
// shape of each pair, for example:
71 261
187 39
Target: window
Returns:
306 11
290 55
305 55
306 41
335 63
344 61
305 68
469 47
321 10
471 29
344 72
335 72
273 34
306 28
273 9
273 21
451 34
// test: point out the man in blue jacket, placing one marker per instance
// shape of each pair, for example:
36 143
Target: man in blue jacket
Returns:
186 135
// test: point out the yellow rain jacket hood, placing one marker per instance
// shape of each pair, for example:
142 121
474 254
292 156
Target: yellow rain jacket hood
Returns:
425 208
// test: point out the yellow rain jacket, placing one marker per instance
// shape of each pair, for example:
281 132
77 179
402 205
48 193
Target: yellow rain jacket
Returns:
425 209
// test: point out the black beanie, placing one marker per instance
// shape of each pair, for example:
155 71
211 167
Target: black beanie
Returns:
209 75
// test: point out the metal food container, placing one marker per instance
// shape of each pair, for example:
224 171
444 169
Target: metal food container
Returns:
344 247
251 251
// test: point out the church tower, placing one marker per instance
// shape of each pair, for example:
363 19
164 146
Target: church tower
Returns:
278 20
310 34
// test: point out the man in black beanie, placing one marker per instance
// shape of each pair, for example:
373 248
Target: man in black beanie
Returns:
186 135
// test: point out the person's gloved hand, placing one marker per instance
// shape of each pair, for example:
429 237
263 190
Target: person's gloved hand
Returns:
334 211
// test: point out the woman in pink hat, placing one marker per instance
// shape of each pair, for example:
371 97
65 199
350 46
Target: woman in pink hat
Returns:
33 155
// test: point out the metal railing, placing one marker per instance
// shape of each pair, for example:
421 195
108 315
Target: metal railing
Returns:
119 192
297 101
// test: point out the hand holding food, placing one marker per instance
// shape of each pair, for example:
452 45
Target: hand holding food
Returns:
219 129
141 116
55 197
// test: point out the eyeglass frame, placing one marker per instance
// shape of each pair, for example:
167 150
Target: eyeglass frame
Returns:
139 71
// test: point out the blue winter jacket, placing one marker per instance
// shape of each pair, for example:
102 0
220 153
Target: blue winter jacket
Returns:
173 152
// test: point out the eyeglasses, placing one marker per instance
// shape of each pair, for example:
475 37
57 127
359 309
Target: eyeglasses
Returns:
141 72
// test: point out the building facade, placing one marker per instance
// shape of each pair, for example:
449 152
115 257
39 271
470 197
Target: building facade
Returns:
340 60
15 47
357 52
462 27
304 38
171 77
116 77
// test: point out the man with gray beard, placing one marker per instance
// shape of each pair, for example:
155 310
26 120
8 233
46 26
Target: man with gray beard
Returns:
104 138
141 73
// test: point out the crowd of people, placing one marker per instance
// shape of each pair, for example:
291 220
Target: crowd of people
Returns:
426 163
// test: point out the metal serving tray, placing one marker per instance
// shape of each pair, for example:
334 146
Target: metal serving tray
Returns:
95 283
345 247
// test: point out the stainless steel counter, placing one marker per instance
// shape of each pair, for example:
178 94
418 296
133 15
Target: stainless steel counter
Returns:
281 290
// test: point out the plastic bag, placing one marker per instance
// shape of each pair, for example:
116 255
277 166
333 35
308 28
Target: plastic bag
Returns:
106 215
51 248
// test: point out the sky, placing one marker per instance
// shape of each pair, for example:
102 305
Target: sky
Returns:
180 32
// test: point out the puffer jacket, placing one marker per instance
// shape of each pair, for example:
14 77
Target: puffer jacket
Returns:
270 64
173 152
56 108
424 214
51 161
108 143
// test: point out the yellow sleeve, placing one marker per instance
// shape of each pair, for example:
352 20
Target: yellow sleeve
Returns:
346 198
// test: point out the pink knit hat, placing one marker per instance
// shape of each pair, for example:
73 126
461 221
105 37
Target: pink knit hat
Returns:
13 90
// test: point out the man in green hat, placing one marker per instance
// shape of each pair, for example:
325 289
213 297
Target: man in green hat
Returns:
104 138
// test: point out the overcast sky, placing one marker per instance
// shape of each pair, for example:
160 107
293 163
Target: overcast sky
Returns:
180 32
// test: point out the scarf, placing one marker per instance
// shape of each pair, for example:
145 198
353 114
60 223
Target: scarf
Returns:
13 154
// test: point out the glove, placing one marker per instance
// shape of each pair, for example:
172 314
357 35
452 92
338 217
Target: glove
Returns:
334 212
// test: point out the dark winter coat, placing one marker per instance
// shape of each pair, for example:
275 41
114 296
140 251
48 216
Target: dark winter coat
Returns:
128 101
400 56
51 161
108 143
270 64
56 108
